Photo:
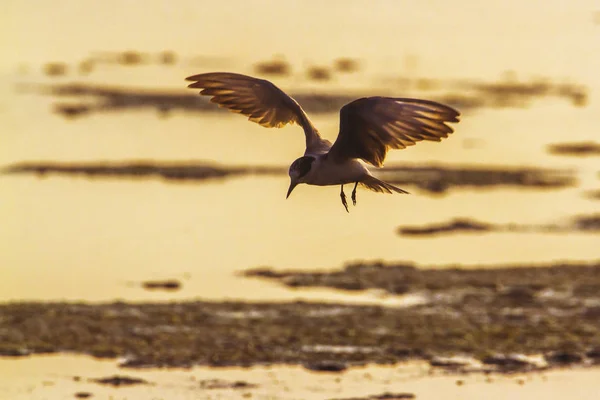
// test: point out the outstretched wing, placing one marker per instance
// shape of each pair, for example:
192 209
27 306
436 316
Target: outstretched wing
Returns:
372 125
258 99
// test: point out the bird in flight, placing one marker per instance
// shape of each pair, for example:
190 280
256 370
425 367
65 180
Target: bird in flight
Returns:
368 128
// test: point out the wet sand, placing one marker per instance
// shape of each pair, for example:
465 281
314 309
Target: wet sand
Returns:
485 314
69 376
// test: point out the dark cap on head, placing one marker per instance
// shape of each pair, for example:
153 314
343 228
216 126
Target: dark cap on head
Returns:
302 165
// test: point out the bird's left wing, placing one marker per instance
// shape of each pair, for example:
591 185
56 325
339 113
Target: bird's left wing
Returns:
372 125
258 99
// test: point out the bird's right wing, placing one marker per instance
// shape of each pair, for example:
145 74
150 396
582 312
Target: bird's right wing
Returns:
258 99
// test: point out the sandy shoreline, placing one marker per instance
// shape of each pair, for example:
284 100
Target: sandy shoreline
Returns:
64 376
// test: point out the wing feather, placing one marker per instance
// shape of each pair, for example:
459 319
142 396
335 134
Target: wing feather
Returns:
259 100
370 126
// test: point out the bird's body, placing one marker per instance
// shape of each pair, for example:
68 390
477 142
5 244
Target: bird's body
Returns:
325 172
368 128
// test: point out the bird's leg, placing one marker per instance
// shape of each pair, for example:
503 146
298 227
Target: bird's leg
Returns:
343 196
354 194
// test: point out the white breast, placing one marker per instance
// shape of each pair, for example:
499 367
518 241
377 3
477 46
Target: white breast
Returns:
325 172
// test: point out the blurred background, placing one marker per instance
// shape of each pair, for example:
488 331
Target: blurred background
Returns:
114 173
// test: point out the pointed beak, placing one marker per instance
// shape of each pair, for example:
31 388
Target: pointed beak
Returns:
292 186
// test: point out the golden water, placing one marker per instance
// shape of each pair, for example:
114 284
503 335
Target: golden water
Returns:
96 239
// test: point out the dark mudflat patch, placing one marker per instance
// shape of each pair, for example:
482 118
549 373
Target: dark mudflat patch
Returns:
439 179
169 285
55 69
461 94
505 93
347 64
502 283
107 99
169 171
458 225
512 92
581 149
593 194
133 58
326 366
278 66
581 223
383 396
486 314
318 73
431 179
119 380
211 384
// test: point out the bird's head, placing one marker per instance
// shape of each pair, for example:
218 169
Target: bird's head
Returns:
298 171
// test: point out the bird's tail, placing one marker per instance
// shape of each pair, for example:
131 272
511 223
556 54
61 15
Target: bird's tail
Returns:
376 185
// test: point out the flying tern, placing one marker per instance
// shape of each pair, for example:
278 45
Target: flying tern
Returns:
369 126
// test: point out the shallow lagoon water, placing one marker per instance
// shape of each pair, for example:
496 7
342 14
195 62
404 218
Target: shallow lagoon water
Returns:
97 239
